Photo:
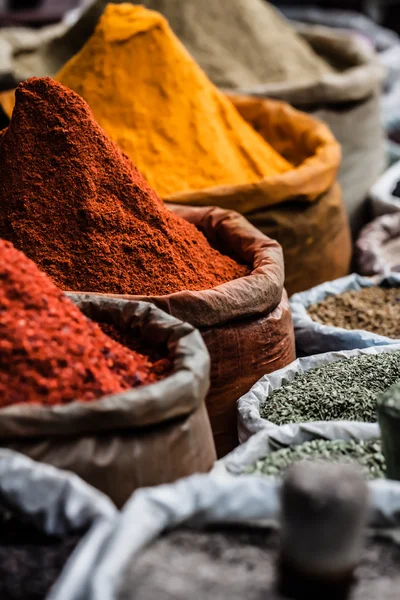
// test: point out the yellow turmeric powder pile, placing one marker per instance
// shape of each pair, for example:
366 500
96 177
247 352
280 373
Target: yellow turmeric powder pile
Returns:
150 96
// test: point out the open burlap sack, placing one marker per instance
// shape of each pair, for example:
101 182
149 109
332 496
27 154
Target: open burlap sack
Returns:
146 436
246 323
358 71
302 209
347 100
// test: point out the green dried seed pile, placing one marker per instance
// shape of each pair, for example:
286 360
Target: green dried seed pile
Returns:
374 309
342 390
368 455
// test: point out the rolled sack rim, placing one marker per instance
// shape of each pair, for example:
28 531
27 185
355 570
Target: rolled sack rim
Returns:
256 294
306 182
178 395
363 77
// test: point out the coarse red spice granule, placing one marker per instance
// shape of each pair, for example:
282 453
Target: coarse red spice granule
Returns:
50 353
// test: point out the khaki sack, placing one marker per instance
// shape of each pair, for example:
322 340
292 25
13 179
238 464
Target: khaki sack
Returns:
246 323
302 209
359 72
146 436
378 246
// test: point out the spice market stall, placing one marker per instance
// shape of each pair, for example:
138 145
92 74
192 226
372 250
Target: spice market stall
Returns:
109 233
278 168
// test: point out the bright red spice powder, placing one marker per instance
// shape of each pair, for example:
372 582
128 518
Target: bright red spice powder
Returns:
76 205
50 353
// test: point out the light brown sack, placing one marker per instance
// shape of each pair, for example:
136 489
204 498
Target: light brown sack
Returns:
359 73
349 102
146 436
246 323
302 209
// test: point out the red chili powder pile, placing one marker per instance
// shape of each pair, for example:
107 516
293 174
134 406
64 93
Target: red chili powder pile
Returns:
50 353
78 207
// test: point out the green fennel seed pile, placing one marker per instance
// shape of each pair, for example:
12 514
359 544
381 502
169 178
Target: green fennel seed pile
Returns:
342 390
367 455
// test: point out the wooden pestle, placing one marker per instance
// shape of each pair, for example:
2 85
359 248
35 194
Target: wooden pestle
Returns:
323 513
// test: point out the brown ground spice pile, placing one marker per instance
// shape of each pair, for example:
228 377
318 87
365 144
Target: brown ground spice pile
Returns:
77 206
374 309
50 353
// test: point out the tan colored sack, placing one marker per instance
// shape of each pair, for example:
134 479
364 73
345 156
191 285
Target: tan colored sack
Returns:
246 323
150 435
359 73
302 209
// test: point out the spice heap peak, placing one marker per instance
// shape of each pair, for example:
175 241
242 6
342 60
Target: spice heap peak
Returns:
78 207
159 106
50 353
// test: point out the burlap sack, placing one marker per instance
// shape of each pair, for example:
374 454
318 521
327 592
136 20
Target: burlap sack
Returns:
349 102
150 435
359 73
246 323
302 209
378 246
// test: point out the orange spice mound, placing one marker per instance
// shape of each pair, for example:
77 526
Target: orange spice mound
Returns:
158 105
